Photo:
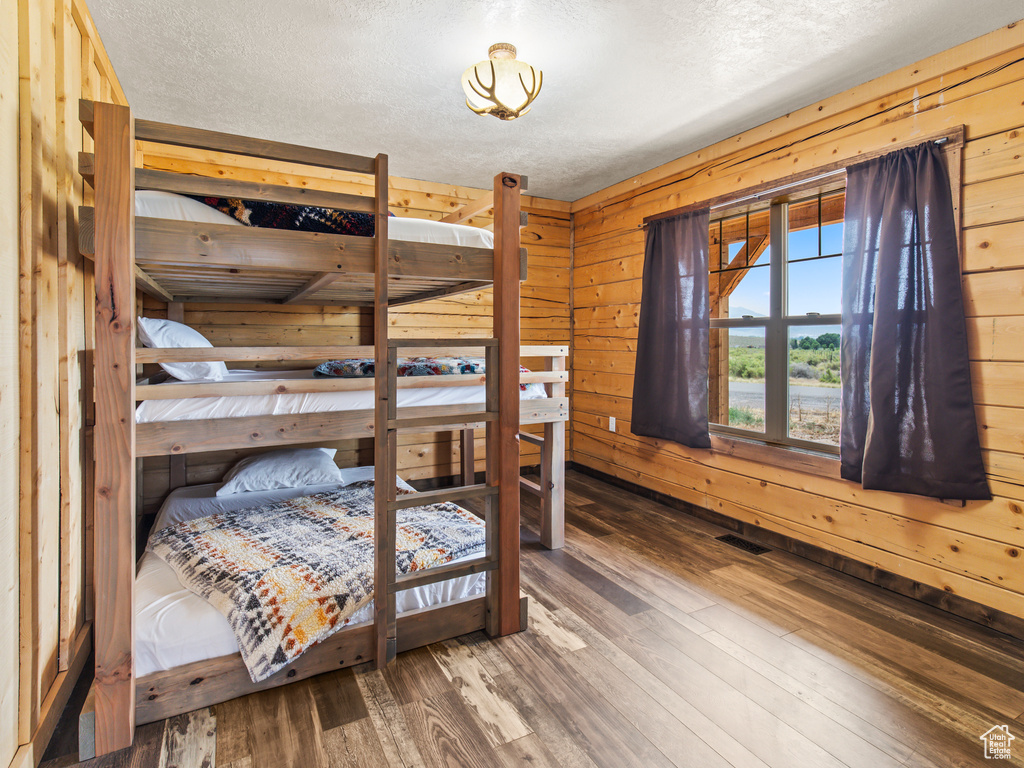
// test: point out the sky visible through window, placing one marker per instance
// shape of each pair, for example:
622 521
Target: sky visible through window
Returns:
814 286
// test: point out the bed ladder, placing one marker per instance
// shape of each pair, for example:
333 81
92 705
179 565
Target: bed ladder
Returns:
500 418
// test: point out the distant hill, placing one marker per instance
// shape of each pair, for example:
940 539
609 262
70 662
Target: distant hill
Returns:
741 311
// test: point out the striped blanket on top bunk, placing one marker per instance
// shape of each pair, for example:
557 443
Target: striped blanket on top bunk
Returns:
363 367
302 218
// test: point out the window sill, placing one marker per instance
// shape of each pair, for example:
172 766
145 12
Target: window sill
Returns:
798 459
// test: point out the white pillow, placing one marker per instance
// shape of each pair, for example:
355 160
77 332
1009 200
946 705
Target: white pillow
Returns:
167 205
167 334
288 468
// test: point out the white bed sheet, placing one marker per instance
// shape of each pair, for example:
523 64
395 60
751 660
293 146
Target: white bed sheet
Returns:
311 402
174 626
167 205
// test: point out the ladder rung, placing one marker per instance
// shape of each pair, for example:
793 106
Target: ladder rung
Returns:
443 573
530 487
526 437
423 498
446 421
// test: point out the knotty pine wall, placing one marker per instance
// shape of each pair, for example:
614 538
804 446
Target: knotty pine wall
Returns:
974 551
50 56
544 296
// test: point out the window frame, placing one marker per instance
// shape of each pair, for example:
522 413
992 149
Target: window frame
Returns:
777 323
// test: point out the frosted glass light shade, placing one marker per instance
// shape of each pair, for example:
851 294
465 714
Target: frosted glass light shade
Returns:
502 86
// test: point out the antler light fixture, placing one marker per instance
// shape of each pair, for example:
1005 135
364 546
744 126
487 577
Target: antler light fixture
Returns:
501 86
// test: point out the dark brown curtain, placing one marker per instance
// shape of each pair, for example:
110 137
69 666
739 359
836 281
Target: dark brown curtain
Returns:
670 386
908 422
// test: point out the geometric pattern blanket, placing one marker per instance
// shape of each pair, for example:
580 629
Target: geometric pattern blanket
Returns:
289 574
303 218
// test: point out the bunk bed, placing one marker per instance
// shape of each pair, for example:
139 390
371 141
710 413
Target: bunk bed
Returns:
179 261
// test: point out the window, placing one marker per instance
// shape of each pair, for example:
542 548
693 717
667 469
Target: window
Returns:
775 282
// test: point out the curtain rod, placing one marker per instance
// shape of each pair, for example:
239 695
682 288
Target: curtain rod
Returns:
730 202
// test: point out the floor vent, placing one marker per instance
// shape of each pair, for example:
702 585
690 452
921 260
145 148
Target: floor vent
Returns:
746 546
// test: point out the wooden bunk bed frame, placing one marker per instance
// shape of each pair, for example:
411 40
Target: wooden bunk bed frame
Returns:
179 261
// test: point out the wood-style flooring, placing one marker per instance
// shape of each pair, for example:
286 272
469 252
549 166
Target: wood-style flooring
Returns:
650 644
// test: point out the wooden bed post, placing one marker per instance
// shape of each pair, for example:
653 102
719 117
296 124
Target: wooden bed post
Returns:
552 470
385 443
114 569
503 584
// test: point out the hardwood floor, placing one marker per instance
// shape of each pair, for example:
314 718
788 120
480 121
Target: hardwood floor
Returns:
650 644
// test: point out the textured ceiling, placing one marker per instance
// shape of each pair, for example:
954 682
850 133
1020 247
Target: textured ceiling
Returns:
627 85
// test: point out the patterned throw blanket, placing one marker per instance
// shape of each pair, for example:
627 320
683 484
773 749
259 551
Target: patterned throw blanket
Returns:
304 218
363 367
290 574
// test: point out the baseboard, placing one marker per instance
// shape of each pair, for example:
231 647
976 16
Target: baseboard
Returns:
933 596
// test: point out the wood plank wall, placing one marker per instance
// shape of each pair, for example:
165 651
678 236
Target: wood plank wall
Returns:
46 309
9 208
545 305
973 551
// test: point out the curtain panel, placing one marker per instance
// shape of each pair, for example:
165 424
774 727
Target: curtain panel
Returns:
908 420
670 383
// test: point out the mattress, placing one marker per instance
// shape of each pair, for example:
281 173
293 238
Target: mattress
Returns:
167 205
235 406
164 608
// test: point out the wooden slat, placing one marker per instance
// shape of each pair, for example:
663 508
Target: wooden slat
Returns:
11 531
526 437
442 573
423 498
452 290
421 348
470 209
183 184
70 332
174 391
38 599
148 285
316 284
114 430
198 244
266 354
179 437
444 417
543 350
453 343
530 487
182 136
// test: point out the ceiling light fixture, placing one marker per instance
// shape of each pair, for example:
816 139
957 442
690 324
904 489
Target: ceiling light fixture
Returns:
501 86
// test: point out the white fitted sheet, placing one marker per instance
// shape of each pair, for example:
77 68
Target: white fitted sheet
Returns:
174 626
167 205
311 402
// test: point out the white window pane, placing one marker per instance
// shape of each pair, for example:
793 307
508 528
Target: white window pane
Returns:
814 383
736 378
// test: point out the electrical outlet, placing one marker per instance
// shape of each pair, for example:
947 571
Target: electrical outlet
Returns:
611 423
